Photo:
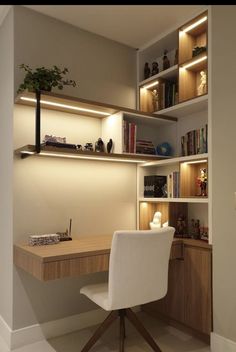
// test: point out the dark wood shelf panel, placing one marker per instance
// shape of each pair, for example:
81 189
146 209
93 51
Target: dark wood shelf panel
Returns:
63 101
29 150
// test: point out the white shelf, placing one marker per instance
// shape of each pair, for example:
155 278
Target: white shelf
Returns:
175 200
186 108
166 74
176 160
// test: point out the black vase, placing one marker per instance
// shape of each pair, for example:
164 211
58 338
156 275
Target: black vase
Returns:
109 145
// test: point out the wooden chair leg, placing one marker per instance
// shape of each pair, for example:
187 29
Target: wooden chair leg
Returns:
141 329
100 330
122 329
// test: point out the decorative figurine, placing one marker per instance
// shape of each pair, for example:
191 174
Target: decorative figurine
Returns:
166 61
202 86
79 147
155 68
155 100
202 182
195 229
176 57
99 145
181 226
156 222
109 145
147 71
89 146
198 50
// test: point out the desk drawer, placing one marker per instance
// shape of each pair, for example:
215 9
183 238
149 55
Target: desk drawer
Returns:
75 267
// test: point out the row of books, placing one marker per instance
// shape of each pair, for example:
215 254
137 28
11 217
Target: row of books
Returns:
162 186
195 142
168 94
133 145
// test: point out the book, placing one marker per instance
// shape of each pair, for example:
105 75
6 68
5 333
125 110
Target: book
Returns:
195 142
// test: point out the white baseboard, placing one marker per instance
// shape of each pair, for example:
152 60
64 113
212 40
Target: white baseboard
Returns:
221 344
38 332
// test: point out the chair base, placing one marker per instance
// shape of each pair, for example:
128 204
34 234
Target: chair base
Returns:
122 314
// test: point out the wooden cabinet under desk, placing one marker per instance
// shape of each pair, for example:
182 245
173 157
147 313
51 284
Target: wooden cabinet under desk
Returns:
71 258
188 303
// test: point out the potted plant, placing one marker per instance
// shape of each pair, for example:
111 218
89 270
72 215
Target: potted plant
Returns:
44 79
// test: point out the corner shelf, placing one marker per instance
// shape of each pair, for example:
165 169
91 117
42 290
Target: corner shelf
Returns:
175 200
49 151
176 160
166 74
185 108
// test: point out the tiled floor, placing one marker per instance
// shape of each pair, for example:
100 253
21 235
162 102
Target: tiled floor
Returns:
168 338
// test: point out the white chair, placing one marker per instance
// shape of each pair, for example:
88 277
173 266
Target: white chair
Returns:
138 274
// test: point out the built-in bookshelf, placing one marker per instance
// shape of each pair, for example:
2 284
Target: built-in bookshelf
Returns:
183 196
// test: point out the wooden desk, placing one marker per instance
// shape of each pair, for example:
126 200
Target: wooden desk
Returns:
71 258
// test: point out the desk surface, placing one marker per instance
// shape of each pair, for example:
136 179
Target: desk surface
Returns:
85 255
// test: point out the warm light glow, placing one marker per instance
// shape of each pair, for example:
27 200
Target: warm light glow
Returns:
45 153
194 62
195 24
144 204
65 106
151 85
195 162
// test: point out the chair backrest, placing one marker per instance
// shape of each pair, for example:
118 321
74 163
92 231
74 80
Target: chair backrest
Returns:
138 269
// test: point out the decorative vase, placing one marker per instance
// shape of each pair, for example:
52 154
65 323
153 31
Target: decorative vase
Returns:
203 189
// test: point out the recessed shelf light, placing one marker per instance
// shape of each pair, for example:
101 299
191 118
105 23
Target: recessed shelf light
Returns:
195 24
194 62
65 106
153 84
79 156
195 162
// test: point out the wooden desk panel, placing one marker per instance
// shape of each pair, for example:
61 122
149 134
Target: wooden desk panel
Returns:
72 258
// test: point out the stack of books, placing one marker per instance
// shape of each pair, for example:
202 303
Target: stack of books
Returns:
173 183
129 137
195 142
145 147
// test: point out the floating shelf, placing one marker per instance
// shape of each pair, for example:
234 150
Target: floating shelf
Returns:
176 160
175 200
187 107
64 103
29 150
166 74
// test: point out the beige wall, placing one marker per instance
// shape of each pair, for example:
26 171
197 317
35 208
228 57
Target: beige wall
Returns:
100 197
224 169
105 70
6 166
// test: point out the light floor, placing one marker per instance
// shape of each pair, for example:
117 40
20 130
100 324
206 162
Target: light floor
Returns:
168 338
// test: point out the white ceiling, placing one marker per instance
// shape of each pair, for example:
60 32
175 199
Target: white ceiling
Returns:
133 25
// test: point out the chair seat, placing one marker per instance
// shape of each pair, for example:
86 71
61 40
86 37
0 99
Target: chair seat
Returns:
98 293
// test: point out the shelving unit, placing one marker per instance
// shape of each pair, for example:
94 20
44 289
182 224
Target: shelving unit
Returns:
111 119
191 110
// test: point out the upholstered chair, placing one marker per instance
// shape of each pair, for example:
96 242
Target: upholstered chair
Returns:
138 274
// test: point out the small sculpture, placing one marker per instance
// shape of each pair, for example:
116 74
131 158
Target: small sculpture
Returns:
166 61
202 182
195 229
156 222
197 50
155 68
155 100
89 146
109 145
202 86
99 145
79 147
147 71
181 225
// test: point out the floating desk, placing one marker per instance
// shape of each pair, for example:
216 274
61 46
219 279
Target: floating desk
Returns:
86 255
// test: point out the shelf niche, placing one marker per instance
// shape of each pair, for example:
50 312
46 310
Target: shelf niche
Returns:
170 212
189 172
